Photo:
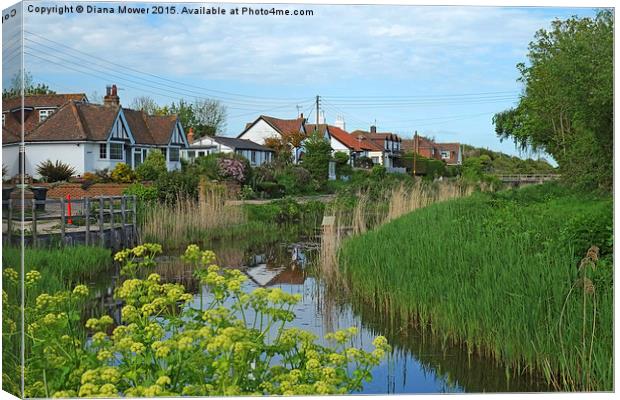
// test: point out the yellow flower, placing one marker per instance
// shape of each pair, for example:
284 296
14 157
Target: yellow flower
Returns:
163 380
137 347
104 355
80 290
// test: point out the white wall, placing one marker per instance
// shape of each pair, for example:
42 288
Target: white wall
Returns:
10 159
259 132
68 153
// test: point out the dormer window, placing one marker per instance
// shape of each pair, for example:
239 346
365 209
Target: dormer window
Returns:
43 114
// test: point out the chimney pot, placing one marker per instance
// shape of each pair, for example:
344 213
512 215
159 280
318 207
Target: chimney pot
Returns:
190 135
373 129
111 98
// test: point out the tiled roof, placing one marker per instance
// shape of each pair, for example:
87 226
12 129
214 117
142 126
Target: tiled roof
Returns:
356 143
241 144
160 127
75 121
280 125
42 100
9 136
137 124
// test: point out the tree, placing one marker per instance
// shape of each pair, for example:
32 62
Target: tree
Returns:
206 117
566 108
30 88
146 104
316 158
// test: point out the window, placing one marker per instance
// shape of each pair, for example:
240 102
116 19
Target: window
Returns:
3 120
164 152
253 157
43 114
375 160
137 157
445 154
103 150
116 151
174 154
201 154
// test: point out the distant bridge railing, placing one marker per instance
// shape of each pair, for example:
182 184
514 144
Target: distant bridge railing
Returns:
528 178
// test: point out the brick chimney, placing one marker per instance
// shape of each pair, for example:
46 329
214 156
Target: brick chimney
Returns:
373 129
190 136
111 97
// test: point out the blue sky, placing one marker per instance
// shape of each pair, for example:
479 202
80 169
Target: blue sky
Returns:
442 71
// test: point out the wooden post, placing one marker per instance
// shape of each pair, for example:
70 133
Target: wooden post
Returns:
62 220
9 222
134 221
123 221
101 234
86 203
112 233
34 223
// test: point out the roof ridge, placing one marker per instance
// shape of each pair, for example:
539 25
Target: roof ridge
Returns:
77 113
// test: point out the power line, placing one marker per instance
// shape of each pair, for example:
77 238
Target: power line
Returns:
127 77
158 76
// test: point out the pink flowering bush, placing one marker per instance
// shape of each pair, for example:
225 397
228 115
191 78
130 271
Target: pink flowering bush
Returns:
230 168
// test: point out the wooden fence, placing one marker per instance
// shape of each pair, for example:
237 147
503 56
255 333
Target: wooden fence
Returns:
108 221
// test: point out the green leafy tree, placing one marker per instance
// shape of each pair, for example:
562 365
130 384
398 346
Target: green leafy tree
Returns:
566 108
316 158
207 117
153 166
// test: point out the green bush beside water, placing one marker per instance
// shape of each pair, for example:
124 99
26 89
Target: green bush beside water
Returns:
499 273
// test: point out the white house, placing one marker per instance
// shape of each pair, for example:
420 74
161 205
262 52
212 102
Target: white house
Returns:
86 136
254 152
265 127
387 146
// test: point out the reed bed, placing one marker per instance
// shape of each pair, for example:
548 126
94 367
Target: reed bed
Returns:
499 276
369 213
190 220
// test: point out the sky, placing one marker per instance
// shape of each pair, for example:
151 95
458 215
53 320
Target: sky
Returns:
442 71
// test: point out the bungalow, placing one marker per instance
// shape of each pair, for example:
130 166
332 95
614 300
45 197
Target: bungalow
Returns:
450 153
265 127
86 136
254 152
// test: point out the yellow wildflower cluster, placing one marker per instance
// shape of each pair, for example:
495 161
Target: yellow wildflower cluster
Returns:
32 277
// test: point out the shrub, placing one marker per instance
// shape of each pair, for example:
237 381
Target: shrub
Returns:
175 185
143 193
378 171
55 172
122 173
153 166
364 162
316 158
271 189
232 169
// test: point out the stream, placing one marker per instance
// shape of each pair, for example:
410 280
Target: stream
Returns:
418 363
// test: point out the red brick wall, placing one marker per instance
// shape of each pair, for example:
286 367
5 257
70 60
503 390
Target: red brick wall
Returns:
76 191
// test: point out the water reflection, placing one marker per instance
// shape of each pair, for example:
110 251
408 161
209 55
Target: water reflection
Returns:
418 364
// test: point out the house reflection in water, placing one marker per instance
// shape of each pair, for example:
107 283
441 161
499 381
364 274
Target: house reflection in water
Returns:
265 272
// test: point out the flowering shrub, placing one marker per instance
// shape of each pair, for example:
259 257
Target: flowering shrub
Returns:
165 345
232 169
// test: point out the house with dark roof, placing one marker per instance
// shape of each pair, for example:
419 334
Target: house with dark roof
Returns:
86 136
254 152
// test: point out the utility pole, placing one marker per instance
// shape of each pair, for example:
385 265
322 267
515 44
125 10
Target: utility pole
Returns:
415 150
318 100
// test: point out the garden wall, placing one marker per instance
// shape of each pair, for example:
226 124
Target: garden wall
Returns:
76 191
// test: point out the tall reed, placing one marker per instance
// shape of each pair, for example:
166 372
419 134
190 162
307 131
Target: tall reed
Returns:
189 219
369 213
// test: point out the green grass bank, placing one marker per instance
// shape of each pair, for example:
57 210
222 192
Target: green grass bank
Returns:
499 273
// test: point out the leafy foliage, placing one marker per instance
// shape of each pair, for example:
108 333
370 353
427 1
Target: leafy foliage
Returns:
316 158
122 173
153 166
567 104
55 172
